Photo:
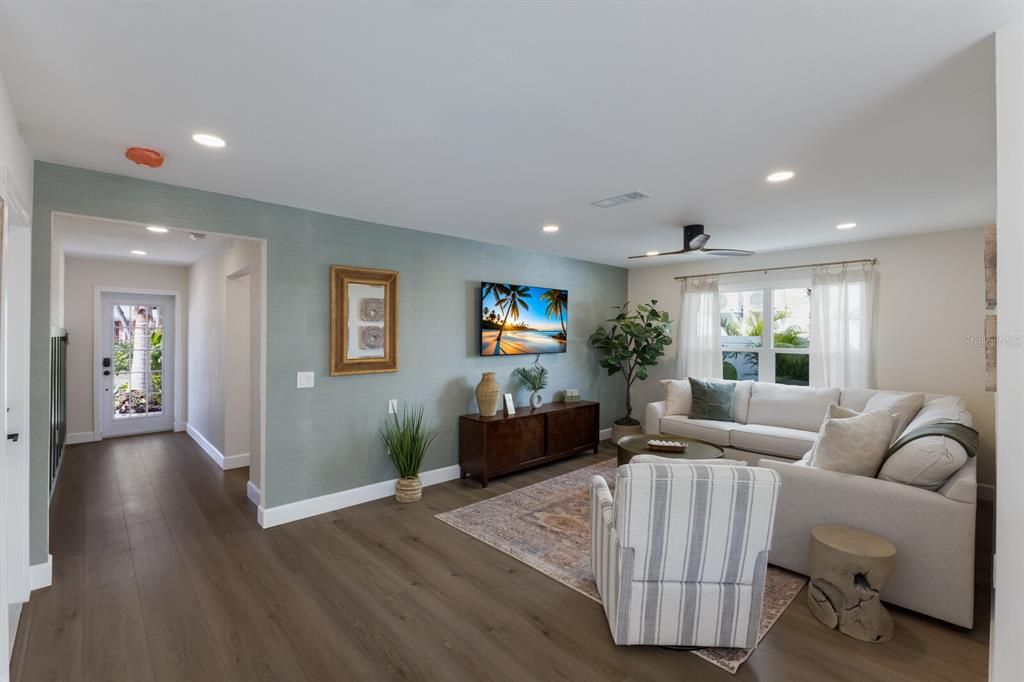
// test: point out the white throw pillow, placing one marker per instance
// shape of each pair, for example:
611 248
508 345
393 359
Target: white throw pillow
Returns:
678 398
902 406
852 442
926 462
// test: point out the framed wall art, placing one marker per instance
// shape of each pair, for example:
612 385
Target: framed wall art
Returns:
364 320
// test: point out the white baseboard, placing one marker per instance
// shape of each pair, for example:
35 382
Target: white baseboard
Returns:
303 509
179 426
41 575
236 461
253 493
605 434
222 460
83 437
986 491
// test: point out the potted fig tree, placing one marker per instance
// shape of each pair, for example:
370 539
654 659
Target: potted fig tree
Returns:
407 439
634 341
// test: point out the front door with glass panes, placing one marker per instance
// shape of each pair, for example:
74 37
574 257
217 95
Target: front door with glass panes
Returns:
135 363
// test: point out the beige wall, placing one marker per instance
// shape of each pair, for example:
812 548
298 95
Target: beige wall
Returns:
214 374
81 277
930 307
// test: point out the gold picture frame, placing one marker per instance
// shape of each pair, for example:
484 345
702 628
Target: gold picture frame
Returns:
363 341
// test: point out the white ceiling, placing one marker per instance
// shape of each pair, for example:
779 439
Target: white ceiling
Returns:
488 120
114 240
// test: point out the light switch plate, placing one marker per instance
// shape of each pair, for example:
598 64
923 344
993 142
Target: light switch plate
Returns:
392 405
304 380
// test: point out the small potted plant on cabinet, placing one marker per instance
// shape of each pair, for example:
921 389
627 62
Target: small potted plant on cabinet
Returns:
407 440
634 342
533 379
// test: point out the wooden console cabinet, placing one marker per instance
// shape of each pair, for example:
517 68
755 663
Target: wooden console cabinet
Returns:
491 446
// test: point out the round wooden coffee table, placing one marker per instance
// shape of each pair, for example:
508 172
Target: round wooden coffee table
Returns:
630 446
849 567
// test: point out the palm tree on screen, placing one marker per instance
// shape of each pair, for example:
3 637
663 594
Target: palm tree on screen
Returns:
513 303
557 301
498 291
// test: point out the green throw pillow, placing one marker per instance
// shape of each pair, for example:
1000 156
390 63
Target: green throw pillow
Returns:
711 400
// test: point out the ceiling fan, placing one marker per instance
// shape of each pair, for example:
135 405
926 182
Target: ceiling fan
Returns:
694 239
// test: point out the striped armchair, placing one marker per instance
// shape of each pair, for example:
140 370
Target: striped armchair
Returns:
680 553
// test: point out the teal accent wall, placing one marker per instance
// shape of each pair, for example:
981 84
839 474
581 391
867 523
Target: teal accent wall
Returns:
324 440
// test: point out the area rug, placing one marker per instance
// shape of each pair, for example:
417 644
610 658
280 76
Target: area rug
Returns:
547 527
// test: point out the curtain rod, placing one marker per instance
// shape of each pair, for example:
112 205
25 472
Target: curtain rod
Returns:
783 267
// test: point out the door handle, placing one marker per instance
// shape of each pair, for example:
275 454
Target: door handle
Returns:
13 437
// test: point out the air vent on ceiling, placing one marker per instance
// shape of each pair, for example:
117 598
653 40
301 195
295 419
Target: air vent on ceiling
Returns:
635 195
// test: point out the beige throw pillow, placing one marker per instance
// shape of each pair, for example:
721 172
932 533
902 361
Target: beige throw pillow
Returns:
677 396
902 406
852 442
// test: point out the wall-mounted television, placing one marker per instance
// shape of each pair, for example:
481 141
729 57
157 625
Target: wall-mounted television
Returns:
522 320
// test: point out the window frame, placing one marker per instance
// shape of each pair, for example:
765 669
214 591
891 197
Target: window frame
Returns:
766 351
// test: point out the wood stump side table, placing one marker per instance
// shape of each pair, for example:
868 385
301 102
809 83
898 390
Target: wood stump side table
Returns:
849 567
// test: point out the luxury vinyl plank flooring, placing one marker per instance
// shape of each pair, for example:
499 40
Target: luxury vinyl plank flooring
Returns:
161 573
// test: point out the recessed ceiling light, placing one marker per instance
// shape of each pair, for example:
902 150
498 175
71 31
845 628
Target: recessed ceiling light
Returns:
156 228
846 226
780 176
550 228
653 253
208 140
138 252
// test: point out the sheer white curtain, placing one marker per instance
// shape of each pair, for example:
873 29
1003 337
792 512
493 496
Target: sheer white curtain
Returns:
842 308
699 350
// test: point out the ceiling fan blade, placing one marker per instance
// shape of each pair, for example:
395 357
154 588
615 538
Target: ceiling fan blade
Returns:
727 252
664 253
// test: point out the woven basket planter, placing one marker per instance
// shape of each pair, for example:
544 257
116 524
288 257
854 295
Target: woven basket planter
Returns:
409 489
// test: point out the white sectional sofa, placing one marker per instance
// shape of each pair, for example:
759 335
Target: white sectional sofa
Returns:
929 517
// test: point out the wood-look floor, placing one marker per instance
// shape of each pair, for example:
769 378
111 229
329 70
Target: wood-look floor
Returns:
161 573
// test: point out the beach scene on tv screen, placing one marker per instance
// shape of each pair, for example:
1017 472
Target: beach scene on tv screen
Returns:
522 320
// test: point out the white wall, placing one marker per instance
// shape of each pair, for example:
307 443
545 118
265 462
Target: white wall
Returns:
82 276
1006 653
930 304
14 154
212 381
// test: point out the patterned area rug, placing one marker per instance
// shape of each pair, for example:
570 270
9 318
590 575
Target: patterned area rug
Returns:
547 526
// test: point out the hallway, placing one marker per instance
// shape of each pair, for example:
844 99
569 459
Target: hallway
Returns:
147 535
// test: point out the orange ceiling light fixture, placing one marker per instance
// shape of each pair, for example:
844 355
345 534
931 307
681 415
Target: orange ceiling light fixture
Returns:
145 156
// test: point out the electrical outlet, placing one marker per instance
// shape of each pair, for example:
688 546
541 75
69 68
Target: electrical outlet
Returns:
304 380
392 405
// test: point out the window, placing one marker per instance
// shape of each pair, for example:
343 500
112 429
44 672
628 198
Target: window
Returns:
138 360
776 351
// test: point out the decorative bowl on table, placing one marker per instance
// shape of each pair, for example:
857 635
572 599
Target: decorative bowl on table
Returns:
666 445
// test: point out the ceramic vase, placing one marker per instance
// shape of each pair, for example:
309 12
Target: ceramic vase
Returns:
536 400
487 394
409 489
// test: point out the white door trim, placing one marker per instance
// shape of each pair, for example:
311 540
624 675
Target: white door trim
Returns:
179 352
17 458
